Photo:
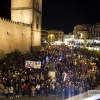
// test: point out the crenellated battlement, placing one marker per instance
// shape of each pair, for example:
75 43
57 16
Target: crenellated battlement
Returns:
14 22
23 31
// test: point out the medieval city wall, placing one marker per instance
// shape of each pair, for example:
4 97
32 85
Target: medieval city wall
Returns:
13 36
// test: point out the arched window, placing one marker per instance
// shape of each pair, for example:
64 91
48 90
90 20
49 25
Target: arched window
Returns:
37 22
37 6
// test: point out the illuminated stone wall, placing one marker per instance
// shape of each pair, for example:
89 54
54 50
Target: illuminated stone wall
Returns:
26 11
13 36
37 12
36 32
21 11
21 32
24 16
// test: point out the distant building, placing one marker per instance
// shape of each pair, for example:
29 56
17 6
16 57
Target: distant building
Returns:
68 38
95 31
80 30
55 35
52 36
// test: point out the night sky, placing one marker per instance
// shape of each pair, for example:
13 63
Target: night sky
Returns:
63 15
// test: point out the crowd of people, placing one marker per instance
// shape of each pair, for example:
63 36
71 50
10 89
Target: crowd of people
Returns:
72 74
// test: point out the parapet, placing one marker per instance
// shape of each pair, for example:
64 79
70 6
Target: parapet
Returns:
14 22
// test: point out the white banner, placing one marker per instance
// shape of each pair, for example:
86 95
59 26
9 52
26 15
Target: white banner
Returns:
37 64
33 64
29 64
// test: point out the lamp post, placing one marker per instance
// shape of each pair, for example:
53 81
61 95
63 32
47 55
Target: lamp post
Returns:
85 39
83 35
51 36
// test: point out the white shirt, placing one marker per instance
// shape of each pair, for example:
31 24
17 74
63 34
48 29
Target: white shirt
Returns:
11 89
38 87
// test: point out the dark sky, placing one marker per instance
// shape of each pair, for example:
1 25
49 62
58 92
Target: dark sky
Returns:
5 8
63 14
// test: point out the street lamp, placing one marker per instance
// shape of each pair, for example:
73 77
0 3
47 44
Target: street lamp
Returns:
51 38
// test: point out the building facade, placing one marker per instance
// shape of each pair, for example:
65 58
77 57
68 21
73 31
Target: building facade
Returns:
80 30
95 31
55 35
23 31
68 38
51 36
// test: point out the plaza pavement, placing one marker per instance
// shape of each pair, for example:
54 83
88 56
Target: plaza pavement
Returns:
83 96
50 97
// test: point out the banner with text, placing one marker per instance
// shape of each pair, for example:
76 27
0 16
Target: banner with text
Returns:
33 64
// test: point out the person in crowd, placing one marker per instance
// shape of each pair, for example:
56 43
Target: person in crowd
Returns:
11 92
24 89
64 75
16 90
6 92
80 88
43 89
29 89
72 89
56 89
33 89
38 90
46 90
63 91
72 71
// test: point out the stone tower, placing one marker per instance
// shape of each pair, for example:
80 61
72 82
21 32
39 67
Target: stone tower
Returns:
29 12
